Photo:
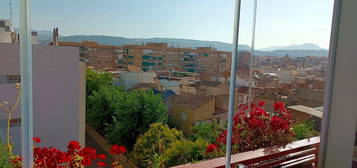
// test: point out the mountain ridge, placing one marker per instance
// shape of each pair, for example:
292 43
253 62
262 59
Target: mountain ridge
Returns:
312 49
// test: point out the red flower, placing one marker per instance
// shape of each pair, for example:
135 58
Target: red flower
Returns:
86 162
36 139
116 149
210 148
102 156
73 145
101 164
279 106
255 123
278 123
261 103
88 153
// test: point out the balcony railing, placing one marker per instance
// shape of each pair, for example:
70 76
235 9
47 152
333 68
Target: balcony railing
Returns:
302 154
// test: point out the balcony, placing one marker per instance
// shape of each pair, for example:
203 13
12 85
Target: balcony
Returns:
302 154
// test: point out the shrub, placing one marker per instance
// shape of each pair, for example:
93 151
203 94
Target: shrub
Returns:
185 151
206 131
304 130
156 140
5 157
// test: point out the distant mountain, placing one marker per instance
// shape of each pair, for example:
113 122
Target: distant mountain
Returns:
112 40
307 49
306 46
44 37
292 53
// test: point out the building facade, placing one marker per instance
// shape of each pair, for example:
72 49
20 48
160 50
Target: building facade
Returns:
58 94
161 57
151 57
98 56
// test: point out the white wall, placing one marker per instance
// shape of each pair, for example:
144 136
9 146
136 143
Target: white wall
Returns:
5 37
58 93
131 79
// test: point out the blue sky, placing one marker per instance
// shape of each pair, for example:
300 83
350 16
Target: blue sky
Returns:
279 22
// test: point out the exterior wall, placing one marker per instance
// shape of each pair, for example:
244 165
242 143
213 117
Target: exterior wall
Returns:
131 79
101 57
203 113
160 57
217 90
58 93
298 115
5 33
152 57
182 124
5 37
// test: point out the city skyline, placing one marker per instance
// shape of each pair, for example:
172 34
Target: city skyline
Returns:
279 23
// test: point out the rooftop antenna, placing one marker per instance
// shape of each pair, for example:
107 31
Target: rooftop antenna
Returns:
11 13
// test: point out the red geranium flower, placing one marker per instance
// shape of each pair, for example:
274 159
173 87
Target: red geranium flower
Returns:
210 148
86 162
102 156
101 164
36 139
73 145
116 149
261 103
279 106
88 153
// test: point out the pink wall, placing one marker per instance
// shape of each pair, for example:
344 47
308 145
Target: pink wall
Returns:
58 110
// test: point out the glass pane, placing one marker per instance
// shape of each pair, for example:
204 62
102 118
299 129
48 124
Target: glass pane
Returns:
150 80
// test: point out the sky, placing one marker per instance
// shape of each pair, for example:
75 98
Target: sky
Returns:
279 22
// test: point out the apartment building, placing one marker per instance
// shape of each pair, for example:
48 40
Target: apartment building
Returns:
150 57
161 57
98 56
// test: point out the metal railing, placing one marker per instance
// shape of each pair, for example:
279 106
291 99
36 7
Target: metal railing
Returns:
303 153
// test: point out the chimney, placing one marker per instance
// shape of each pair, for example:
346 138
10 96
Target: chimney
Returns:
55 39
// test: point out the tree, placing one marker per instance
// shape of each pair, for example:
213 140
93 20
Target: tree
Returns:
185 151
155 141
206 131
134 112
100 106
95 80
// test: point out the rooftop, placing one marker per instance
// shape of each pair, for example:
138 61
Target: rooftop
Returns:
190 100
307 110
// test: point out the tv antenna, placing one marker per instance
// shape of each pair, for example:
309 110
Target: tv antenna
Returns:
11 14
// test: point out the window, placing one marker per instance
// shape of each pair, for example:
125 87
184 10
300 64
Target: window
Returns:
147 51
2 23
183 116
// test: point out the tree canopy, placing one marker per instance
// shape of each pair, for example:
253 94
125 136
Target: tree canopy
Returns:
155 141
133 113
